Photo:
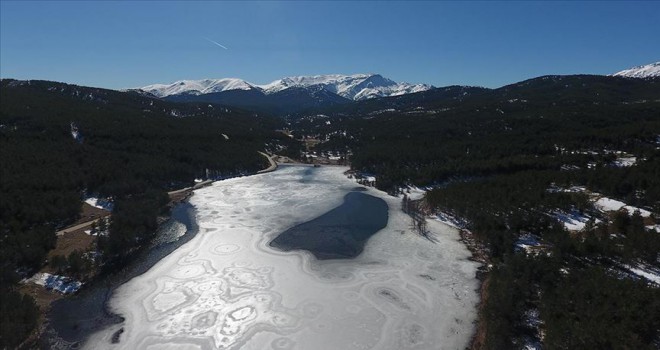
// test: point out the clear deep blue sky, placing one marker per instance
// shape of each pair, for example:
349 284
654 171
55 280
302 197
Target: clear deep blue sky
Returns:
122 44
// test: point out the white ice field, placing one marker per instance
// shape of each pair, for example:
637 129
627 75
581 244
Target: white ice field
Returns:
228 289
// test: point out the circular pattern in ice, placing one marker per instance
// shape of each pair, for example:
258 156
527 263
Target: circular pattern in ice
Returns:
228 289
226 249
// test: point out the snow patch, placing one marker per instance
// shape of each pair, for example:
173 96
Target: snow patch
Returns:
648 272
607 204
624 162
101 203
62 284
573 220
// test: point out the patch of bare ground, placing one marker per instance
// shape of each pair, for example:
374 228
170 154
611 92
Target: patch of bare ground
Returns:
478 341
68 243
43 298
41 295
89 213
178 197
479 254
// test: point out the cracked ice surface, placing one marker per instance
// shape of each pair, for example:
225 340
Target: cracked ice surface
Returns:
227 289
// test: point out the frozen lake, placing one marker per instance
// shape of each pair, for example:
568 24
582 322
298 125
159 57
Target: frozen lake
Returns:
228 288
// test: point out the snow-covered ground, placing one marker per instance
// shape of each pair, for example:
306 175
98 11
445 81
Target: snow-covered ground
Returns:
608 204
62 284
648 272
227 288
576 221
530 244
450 220
655 228
101 203
625 161
573 220
532 320
96 233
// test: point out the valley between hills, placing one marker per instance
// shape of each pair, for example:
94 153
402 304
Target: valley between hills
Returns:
396 215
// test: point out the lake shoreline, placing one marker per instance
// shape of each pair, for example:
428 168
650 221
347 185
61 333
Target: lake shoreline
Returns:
60 331
46 333
396 275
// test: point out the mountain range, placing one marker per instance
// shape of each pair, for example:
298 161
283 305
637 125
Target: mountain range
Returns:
353 87
305 94
286 95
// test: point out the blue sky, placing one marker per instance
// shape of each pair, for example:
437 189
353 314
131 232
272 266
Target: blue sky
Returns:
128 44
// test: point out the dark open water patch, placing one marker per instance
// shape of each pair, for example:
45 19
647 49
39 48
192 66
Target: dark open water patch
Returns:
340 233
71 320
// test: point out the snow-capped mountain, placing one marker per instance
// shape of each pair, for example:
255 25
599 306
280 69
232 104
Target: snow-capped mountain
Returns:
197 87
353 87
646 71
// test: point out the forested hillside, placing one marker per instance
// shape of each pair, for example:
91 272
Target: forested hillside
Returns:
538 124
59 142
526 163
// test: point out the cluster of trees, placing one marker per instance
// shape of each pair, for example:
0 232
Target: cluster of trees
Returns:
133 148
134 220
18 317
590 309
76 264
417 216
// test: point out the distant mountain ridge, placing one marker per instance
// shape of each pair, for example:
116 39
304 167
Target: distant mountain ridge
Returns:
283 96
197 87
651 70
353 87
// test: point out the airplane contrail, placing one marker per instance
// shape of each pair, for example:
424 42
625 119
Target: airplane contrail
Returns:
217 43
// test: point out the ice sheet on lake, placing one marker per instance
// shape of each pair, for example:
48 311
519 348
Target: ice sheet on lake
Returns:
227 289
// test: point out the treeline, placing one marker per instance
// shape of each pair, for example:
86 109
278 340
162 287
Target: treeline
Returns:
129 147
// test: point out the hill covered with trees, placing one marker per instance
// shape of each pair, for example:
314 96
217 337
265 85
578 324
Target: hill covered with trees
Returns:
513 163
59 142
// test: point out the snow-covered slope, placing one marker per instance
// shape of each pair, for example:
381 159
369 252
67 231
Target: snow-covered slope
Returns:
354 87
646 71
198 87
